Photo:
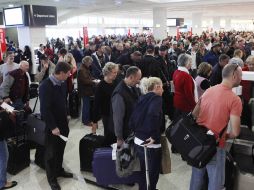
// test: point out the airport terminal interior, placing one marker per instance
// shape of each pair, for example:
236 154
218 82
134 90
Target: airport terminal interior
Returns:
211 33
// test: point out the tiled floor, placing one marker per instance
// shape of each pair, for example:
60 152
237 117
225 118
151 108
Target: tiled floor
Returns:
34 178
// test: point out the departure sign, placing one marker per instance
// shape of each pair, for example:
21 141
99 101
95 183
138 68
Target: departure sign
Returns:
40 15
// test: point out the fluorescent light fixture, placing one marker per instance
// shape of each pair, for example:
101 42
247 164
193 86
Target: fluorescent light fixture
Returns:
10 5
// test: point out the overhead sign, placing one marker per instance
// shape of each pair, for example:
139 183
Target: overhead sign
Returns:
40 15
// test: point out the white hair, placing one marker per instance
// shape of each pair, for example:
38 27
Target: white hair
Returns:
148 84
236 60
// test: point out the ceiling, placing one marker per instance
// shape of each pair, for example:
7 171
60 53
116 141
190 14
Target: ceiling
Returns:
143 8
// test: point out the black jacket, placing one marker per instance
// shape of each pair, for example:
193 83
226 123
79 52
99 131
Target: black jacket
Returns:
130 97
125 59
164 68
150 67
216 76
102 100
53 106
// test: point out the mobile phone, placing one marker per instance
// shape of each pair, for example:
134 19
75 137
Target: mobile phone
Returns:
145 142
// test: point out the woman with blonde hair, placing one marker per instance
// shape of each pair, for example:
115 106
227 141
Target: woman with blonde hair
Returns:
68 58
145 121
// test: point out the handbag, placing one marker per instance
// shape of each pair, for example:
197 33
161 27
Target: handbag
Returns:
165 160
36 127
127 160
194 142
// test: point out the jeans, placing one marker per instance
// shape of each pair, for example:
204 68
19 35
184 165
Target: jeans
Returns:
154 166
216 173
4 154
86 110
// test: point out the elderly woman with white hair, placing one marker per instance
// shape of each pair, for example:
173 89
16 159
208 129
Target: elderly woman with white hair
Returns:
102 101
145 121
186 95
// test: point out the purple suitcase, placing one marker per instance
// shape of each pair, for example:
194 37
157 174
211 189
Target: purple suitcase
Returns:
104 169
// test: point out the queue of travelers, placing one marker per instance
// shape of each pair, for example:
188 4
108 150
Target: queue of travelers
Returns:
176 74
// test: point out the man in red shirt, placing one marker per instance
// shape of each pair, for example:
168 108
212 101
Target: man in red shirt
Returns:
219 105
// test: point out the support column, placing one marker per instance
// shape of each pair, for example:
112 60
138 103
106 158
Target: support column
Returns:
196 23
160 22
228 24
216 23
32 37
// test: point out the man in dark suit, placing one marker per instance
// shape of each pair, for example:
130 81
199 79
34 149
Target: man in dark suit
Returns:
99 60
149 66
52 95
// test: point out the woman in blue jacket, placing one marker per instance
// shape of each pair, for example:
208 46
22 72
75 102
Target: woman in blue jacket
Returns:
145 121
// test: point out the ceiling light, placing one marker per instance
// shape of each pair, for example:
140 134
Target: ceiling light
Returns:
10 5
118 2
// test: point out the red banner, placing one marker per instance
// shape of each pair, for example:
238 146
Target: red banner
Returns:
190 31
85 35
2 43
129 32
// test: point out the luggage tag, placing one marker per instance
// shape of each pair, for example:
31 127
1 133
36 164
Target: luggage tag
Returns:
63 138
210 132
7 107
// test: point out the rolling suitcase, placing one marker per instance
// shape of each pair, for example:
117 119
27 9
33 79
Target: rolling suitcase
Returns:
246 133
87 146
243 154
36 134
244 177
104 169
74 104
19 154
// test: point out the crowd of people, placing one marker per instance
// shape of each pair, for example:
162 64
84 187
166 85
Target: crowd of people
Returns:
118 74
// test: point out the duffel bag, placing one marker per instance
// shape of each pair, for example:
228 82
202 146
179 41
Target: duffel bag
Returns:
196 144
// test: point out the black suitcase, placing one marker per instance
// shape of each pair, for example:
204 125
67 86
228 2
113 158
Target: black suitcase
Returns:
246 134
19 155
242 152
244 175
87 146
